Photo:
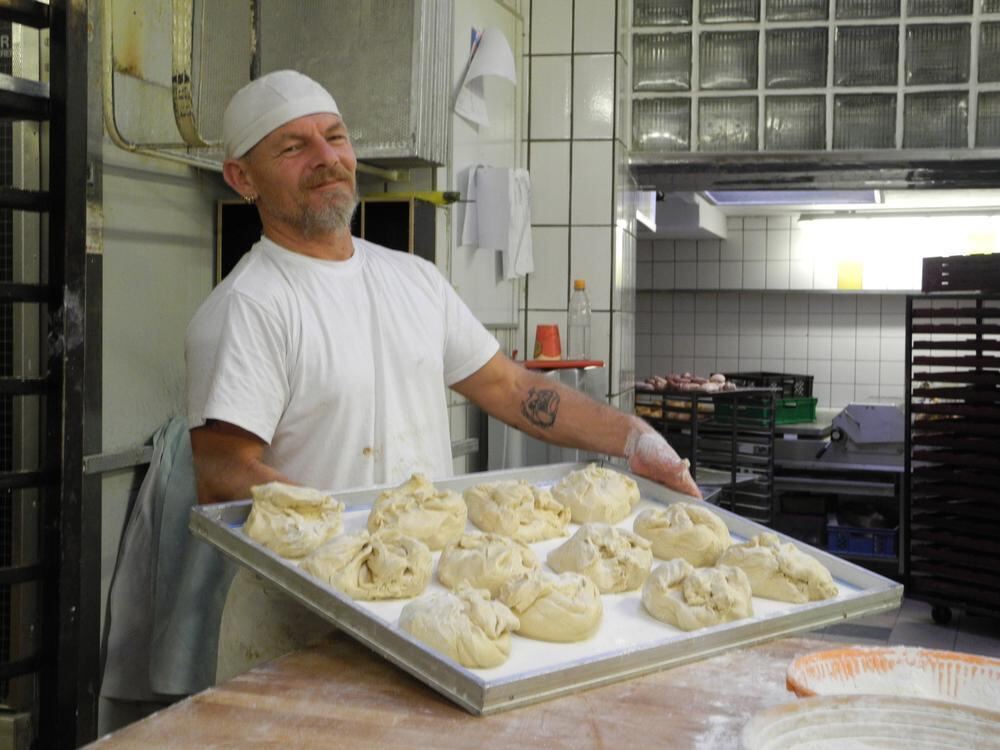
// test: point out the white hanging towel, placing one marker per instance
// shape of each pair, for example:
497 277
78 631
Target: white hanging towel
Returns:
498 216
518 255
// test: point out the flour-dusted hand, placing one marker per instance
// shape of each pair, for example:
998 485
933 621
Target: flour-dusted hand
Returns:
650 455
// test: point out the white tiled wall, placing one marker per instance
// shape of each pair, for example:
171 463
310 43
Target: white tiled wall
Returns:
767 298
581 224
852 344
784 253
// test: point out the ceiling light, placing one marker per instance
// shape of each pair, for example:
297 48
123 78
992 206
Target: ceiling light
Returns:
804 198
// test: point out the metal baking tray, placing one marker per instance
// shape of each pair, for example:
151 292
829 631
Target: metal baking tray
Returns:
629 642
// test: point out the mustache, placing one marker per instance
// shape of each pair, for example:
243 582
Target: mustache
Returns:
327 174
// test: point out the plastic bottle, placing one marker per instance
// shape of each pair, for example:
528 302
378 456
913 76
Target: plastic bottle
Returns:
578 346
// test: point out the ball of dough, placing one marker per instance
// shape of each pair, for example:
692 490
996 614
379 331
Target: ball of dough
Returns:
517 509
292 520
687 530
614 559
691 598
564 607
484 561
781 571
418 509
383 565
595 494
464 625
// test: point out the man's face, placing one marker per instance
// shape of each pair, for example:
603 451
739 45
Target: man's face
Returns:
304 173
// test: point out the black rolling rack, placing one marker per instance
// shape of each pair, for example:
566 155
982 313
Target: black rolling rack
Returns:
729 431
951 530
51 652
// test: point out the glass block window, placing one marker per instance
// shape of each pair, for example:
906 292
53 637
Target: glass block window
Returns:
727 124
661 62
728 60
661 12
661 124
867 8
939 7
729 11
796 58
794 123
988 125
734 76
937 53
866 55
864 121
989 52
936 119
797 10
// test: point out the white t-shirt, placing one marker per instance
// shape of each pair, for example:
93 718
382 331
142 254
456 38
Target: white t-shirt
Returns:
339 366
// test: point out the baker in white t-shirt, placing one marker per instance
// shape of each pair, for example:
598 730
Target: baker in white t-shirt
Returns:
320 359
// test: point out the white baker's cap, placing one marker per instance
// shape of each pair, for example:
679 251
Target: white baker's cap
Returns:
267 103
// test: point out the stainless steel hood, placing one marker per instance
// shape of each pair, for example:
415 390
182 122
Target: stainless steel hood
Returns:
843 170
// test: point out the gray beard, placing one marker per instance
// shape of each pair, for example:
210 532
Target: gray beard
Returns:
333 217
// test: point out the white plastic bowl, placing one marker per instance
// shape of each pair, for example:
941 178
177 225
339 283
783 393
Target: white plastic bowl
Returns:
949 676
867 722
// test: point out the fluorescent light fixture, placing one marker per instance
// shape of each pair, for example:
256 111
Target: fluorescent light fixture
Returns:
922 213
804 198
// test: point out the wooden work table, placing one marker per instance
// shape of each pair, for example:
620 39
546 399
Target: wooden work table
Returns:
339 694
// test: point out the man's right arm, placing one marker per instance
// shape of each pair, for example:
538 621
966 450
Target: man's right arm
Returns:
228 461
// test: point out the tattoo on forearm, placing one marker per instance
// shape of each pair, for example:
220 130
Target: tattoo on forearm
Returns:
541 407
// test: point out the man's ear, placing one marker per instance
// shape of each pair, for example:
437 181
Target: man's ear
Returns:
235 174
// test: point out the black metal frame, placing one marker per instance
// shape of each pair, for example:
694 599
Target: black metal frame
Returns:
754 499
70 532
951 515
72 685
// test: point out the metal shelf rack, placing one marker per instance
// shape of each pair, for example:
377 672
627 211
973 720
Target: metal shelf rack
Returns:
731 431
951 532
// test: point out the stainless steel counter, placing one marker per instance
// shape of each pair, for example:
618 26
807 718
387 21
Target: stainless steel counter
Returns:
821 428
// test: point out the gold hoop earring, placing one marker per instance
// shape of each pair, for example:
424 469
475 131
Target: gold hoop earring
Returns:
249 198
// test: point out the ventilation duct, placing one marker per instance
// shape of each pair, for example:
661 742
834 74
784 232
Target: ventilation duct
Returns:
170 67
386 62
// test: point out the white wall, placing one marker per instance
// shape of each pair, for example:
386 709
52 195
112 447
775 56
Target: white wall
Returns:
777 295
158 252
581 225
475 273
852 344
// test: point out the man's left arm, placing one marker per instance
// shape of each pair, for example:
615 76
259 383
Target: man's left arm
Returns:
555 413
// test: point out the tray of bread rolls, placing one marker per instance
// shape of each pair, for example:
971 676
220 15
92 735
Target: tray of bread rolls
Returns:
505 588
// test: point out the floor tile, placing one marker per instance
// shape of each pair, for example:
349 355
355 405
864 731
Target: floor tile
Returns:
915 611
881 620
850 630
927 635
978 635
987 627
852 640
912 625
977 644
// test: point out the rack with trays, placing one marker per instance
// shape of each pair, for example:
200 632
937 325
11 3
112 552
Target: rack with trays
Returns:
951 534
738 441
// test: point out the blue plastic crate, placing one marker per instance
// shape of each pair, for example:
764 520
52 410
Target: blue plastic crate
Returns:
852 540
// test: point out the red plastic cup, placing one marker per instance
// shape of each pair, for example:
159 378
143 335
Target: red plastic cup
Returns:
547 344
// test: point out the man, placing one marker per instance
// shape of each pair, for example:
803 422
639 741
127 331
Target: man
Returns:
319 360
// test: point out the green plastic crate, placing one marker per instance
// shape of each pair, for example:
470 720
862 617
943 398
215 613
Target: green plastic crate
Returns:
786 411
